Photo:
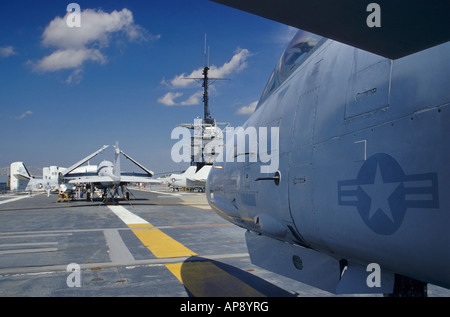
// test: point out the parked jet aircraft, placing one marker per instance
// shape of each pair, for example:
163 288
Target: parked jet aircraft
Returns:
190 178
359 203
109 177
21 179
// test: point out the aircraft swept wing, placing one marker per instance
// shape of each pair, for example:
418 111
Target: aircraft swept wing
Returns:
138 164
406 27
81 162
109 176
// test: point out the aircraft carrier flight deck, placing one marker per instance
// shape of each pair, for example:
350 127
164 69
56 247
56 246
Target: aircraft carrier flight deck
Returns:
159 244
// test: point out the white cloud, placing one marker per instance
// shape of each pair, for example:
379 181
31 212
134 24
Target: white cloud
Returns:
168 99
96 26
246 110
23 115
75 77
77 45
69 59
7 51
236 64
179 82
193 100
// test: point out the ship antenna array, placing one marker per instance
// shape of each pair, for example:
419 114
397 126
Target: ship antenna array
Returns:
205 82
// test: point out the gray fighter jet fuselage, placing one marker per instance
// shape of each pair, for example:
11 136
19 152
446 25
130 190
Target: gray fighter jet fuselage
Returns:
358 203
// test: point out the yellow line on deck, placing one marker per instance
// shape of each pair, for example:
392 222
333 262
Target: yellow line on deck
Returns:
203 278
159 243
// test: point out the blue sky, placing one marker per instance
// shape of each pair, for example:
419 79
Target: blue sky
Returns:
65 92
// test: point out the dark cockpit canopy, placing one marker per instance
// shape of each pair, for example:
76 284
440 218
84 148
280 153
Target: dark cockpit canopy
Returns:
301 47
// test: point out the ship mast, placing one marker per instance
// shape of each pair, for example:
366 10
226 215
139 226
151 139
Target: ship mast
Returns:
206 129
206 81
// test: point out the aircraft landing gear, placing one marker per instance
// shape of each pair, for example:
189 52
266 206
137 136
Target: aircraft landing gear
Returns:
408 287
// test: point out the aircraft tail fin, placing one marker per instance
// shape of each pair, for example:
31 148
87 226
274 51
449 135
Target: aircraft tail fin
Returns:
19 170
190 171
19 176
117 160
202 174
